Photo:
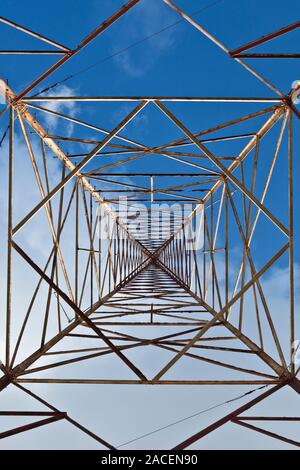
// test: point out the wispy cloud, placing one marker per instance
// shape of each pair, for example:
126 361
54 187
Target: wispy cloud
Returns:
64 107
145 20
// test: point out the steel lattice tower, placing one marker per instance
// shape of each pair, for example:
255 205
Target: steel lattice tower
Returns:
104 274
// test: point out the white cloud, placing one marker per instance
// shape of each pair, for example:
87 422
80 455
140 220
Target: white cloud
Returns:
64 107
145 20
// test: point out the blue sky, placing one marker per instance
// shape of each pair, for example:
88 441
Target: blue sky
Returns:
178 61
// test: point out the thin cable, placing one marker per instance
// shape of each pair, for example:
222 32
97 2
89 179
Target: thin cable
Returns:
6 130
192 416
62 307
4 135
125 49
